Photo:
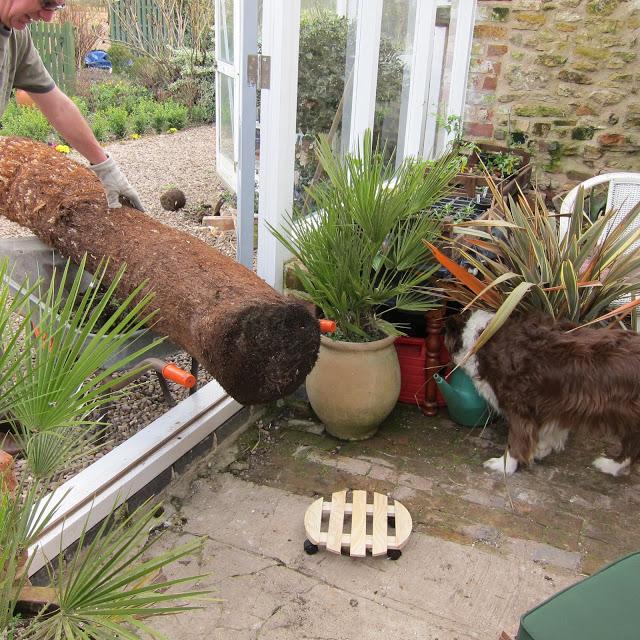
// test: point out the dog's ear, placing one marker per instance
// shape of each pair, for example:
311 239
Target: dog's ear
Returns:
453 326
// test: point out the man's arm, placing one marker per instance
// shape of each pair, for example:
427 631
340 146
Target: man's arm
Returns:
67 120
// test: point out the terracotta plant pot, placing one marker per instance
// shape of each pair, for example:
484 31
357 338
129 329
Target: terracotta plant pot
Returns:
354 386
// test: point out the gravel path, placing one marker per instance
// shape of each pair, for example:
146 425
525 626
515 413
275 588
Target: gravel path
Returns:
153 164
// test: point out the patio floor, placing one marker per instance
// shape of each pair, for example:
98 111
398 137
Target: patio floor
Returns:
481 554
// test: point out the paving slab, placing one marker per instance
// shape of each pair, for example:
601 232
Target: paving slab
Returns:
271 589
483 550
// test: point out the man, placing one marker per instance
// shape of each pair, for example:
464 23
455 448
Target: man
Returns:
21 68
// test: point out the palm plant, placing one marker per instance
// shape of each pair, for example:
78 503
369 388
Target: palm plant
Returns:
362 248
52 382
524 264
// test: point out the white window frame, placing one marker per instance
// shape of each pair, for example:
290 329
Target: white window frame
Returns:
226 167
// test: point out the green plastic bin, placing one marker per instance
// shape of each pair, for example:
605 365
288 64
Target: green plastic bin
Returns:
605 606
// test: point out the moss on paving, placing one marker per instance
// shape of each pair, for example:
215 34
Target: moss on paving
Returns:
435 468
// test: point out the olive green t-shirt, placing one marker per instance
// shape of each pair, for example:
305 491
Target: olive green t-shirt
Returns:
20 65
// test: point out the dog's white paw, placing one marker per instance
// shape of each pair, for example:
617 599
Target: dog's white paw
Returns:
503 464
613 468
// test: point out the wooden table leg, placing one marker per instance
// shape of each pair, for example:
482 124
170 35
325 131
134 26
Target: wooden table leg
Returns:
435 322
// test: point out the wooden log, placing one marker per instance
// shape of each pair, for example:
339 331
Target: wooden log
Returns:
258 345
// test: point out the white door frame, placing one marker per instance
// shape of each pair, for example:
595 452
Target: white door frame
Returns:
280 41
419 82
365 69
278 104
247 40
464 16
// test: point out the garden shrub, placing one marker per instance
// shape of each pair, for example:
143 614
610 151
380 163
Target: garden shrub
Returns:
117 117
158 118
175 114
198 114
141 116
140 122
118 93
196 81
151 74
82 105
100 126
27 122
121 57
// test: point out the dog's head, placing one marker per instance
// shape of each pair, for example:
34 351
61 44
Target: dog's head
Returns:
454 326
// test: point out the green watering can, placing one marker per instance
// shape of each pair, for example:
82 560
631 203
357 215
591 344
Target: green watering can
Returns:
466 406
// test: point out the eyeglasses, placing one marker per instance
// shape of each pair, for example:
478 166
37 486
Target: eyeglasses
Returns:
51 5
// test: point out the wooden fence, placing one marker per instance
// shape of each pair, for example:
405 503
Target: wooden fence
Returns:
144 20
54 42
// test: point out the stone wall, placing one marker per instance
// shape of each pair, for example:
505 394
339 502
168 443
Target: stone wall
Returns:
562 78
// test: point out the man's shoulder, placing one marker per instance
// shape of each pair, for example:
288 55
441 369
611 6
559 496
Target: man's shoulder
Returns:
21 35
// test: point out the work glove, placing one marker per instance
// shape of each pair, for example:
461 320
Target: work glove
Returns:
115 184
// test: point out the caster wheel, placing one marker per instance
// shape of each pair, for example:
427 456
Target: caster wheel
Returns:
391 521
310 548
394 554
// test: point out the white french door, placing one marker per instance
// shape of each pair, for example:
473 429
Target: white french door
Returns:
227 73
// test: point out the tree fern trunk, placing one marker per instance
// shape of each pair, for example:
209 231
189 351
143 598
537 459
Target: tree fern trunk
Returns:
258 345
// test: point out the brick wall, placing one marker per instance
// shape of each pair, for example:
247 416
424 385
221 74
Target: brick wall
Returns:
562 78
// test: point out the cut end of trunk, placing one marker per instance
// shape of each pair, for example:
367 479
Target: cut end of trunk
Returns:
266 353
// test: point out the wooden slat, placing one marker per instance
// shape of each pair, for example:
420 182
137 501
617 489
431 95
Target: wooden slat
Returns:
336 521
313 521
359 525
380 512
403 526
348 509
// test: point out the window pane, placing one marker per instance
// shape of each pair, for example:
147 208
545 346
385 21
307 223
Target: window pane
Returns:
321 68
394 73
226 31
226 116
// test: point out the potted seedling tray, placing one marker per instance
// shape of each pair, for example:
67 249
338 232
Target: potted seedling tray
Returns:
30 260
460 207
508 168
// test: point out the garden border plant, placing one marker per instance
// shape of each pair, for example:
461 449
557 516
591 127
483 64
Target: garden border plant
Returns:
52 385
525 265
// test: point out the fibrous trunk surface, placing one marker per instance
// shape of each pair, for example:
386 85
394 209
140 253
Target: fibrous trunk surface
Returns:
258 345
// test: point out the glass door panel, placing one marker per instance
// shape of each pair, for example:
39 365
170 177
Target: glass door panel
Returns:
226 79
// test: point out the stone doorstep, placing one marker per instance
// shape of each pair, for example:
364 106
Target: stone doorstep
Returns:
408 483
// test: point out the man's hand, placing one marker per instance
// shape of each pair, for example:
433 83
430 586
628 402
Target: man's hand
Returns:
115 184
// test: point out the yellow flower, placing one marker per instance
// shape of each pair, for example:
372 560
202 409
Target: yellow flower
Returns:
172 130
135 136
63 148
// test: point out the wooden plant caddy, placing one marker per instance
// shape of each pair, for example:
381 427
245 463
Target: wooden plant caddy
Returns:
373 524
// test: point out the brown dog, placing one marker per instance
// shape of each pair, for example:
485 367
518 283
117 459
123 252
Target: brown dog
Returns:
547 381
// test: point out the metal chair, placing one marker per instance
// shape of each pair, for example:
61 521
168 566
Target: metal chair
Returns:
623 195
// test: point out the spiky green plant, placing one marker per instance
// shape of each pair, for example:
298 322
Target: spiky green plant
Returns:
362 248
62 383
524 263
52 381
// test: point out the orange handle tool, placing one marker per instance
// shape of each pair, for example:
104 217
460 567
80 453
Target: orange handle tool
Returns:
327 326
174 373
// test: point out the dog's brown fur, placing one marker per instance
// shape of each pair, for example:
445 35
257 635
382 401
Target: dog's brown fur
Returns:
542 374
